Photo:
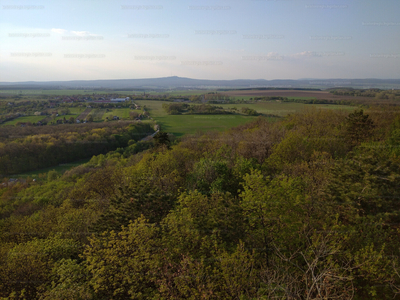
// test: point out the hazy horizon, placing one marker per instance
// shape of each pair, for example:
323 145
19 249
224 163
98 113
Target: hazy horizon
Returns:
211 40
180 77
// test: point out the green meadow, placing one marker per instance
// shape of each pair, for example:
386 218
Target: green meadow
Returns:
32 119
189 124
122 113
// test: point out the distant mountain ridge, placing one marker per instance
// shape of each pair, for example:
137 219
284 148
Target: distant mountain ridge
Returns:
175 82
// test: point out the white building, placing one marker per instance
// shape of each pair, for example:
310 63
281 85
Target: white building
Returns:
119 99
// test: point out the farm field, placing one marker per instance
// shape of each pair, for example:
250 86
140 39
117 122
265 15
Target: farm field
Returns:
97 114
292 94
32 119
122 113
182 92
76 110
84 114
184 124
284 108
180 125
66 117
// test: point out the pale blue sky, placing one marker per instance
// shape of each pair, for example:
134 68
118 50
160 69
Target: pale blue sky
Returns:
231 39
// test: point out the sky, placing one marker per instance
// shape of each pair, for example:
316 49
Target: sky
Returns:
227 39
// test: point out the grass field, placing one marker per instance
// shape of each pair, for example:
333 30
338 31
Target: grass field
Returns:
66 117
32 119
76 110
188 124
183 124
122 113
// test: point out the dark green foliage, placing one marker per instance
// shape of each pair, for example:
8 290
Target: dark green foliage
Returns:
358 127
249 111
184 108
368 182
175 108
161 138
46 150
129 203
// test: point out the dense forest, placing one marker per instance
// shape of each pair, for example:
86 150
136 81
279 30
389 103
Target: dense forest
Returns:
303 208
25 148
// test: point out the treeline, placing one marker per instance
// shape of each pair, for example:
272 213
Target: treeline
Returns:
376 93
267 98
249 111
322 101
184 108
9 133
38 151
8 117
303 208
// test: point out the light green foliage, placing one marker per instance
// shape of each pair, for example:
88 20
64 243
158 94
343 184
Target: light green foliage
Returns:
52 175
70 281
27 266
274 211
122 264
285 210
218 214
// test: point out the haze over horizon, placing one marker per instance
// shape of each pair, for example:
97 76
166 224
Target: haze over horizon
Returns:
216 40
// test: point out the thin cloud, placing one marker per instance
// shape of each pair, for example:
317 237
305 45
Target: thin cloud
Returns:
59 30
83 33
72 32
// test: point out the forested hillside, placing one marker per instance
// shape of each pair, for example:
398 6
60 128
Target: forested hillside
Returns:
26 148
303 208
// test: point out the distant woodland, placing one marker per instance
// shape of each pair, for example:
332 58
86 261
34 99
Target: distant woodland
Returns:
303 208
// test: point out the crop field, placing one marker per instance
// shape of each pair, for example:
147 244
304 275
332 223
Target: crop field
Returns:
84 114
284 108
98 114
182 92
291 94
